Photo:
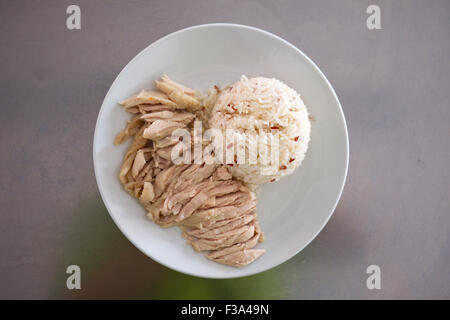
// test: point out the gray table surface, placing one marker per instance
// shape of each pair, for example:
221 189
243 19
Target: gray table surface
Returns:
393 84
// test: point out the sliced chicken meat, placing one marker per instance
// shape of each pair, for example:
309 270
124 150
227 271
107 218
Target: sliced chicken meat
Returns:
148 97
165 142
142 156
182 117
193 175
148 108
146 170
220 230
126 167
161 129
253 241
238 198
240 258
133 126
229 238
206 218
222 173
182 96
216 212
166 176
165 79
165 153
147 193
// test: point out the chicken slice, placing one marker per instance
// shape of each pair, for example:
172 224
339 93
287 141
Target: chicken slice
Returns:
165 153
200 216
147 97
222 173
135 146
166 142
183 117
238 199
147 194
164 114
219 231
241 234
166 177
133 110
237 247
192 205
161 129
214 188
133 126
259 231
178 94
145 172
225 215
184 101
147 108
225 187
165 78
140 160
205 218
194 174
126 167
240 258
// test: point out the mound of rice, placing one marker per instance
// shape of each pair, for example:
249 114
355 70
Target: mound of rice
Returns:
258 106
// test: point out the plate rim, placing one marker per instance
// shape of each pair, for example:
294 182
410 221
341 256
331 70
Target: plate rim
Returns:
267 33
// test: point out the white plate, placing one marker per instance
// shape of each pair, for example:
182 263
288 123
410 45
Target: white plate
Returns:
291 212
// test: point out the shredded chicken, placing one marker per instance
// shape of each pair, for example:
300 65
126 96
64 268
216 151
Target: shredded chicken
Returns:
181 95
216 212
148 97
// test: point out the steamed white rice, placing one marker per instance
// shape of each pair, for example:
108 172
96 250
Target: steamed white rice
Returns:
261 106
